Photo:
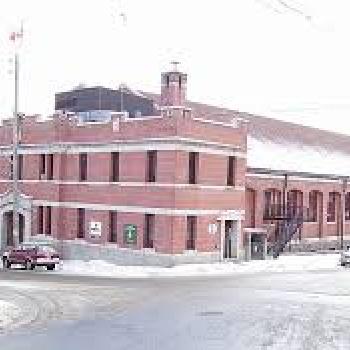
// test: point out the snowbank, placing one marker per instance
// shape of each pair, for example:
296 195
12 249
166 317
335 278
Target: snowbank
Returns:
283 264
8 313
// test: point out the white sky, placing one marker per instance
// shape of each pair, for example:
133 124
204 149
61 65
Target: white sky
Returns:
238 53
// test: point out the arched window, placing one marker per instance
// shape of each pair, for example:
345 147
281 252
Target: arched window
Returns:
272 203
333 203
313 206
347 206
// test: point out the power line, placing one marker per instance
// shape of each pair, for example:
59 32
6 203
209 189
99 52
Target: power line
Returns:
286 5
294 9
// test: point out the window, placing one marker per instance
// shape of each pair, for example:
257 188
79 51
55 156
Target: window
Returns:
151 167
40 220
272 204
347 206
11 168
193 167
115 166
149 231
20 167
231 165
331 209
313 206
82 166
48 221
81 223
191 232
42 166
50 166
112 226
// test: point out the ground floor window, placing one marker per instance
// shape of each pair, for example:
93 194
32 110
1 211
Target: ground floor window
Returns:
191 232
112 227
149 231
48 220
81 223
40 220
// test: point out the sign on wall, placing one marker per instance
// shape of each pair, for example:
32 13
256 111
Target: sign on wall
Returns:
212 229
130 234
95 228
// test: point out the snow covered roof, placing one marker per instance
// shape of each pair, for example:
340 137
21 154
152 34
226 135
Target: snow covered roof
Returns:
294 157
279 145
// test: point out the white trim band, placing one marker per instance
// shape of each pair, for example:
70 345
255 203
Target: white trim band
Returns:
136 209
174 143
133 184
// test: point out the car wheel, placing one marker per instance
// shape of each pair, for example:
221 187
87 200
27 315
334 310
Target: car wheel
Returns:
50 267
29 265
342 264
6 264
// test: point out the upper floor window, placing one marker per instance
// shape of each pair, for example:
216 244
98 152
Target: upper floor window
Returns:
151 168
193 168
272 203
83 166
347 206
114 167
313 206
231 165
11 168
332 207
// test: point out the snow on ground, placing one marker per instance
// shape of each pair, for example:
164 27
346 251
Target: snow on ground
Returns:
8 313
283 264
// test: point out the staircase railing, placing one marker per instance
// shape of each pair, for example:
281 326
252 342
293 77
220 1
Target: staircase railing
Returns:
290 219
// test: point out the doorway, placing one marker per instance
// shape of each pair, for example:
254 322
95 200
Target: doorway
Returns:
8 229
230 241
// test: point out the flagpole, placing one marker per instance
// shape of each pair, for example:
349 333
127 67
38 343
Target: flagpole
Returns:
15 141
15 217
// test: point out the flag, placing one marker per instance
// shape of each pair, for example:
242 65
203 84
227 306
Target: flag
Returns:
17 35
123 17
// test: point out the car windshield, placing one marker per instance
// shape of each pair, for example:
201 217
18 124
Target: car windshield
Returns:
26 246
47 249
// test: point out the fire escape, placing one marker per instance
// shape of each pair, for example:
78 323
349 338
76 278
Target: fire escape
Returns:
288 219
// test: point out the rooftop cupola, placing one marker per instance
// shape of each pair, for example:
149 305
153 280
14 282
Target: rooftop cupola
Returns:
174 87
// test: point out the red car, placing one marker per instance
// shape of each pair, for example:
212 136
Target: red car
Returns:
31 255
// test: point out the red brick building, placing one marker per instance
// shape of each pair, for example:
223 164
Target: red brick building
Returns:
194 183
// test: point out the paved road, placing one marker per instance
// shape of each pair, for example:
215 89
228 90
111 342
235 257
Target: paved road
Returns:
309 310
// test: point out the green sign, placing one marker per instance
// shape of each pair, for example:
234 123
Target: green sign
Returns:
130 234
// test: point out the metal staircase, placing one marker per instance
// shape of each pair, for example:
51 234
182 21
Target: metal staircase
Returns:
288 221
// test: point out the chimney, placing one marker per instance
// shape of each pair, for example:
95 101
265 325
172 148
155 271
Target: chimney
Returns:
174 87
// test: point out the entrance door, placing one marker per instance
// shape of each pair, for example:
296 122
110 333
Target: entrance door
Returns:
257 246
8 219
9 228
229 241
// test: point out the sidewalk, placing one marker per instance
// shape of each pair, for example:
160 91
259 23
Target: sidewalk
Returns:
284 263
